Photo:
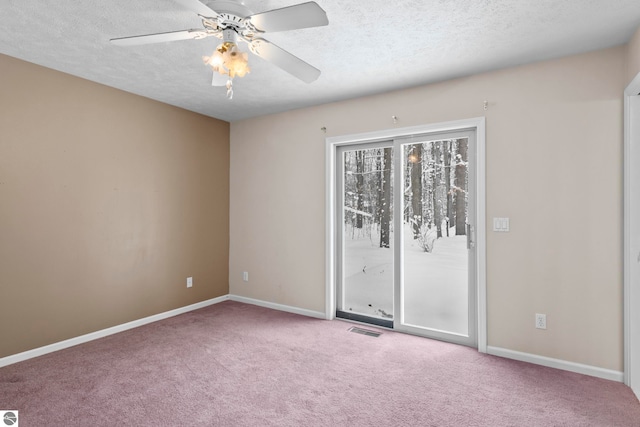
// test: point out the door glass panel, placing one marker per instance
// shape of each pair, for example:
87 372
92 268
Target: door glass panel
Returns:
435 275
367 286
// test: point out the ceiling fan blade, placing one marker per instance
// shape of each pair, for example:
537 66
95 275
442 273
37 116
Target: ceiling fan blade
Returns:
283 59
160 37
197 7
303 15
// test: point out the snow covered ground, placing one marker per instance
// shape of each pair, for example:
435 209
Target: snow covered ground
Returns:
435 284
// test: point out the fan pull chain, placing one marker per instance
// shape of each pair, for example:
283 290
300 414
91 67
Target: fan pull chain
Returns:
229 89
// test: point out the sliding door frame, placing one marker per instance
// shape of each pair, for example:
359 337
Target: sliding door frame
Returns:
332 143
631 232
398 190
339 234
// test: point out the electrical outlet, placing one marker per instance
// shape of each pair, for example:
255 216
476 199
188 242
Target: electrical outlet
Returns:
189 282
541 321
245 276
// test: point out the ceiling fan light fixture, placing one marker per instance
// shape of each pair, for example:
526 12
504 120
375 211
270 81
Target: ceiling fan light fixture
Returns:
236 62
228 59
214 61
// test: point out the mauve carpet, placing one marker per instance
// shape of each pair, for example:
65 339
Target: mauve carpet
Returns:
234 364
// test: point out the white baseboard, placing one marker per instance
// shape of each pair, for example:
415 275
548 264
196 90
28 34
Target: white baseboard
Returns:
579 368
496 351
280 307
40 351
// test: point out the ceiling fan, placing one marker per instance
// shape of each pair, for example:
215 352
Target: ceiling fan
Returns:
232 22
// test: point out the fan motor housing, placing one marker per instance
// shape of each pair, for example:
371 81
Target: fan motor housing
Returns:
229 7
229 35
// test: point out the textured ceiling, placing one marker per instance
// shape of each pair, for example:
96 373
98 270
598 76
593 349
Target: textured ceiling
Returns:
369 46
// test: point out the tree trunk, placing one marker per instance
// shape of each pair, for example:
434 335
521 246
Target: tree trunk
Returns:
437 202
447 182
461 187
385 219
415 157
359 187
379 180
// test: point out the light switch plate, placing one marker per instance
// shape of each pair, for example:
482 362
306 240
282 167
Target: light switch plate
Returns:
501 224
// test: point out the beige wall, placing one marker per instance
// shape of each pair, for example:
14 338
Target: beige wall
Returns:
554 166
633 56
108 201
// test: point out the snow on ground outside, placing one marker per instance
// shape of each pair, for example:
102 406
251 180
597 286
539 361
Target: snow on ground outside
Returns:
436 286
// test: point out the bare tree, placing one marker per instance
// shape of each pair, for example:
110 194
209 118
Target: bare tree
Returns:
359 186
447 182
437 202
415 160
385 206
378 184
461 187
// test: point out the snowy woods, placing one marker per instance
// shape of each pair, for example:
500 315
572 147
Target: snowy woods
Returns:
434 182
435 196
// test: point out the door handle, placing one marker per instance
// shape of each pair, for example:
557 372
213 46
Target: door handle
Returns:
470 241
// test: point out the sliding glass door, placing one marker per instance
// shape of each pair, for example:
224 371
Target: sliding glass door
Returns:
365 194
406 235
435 284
